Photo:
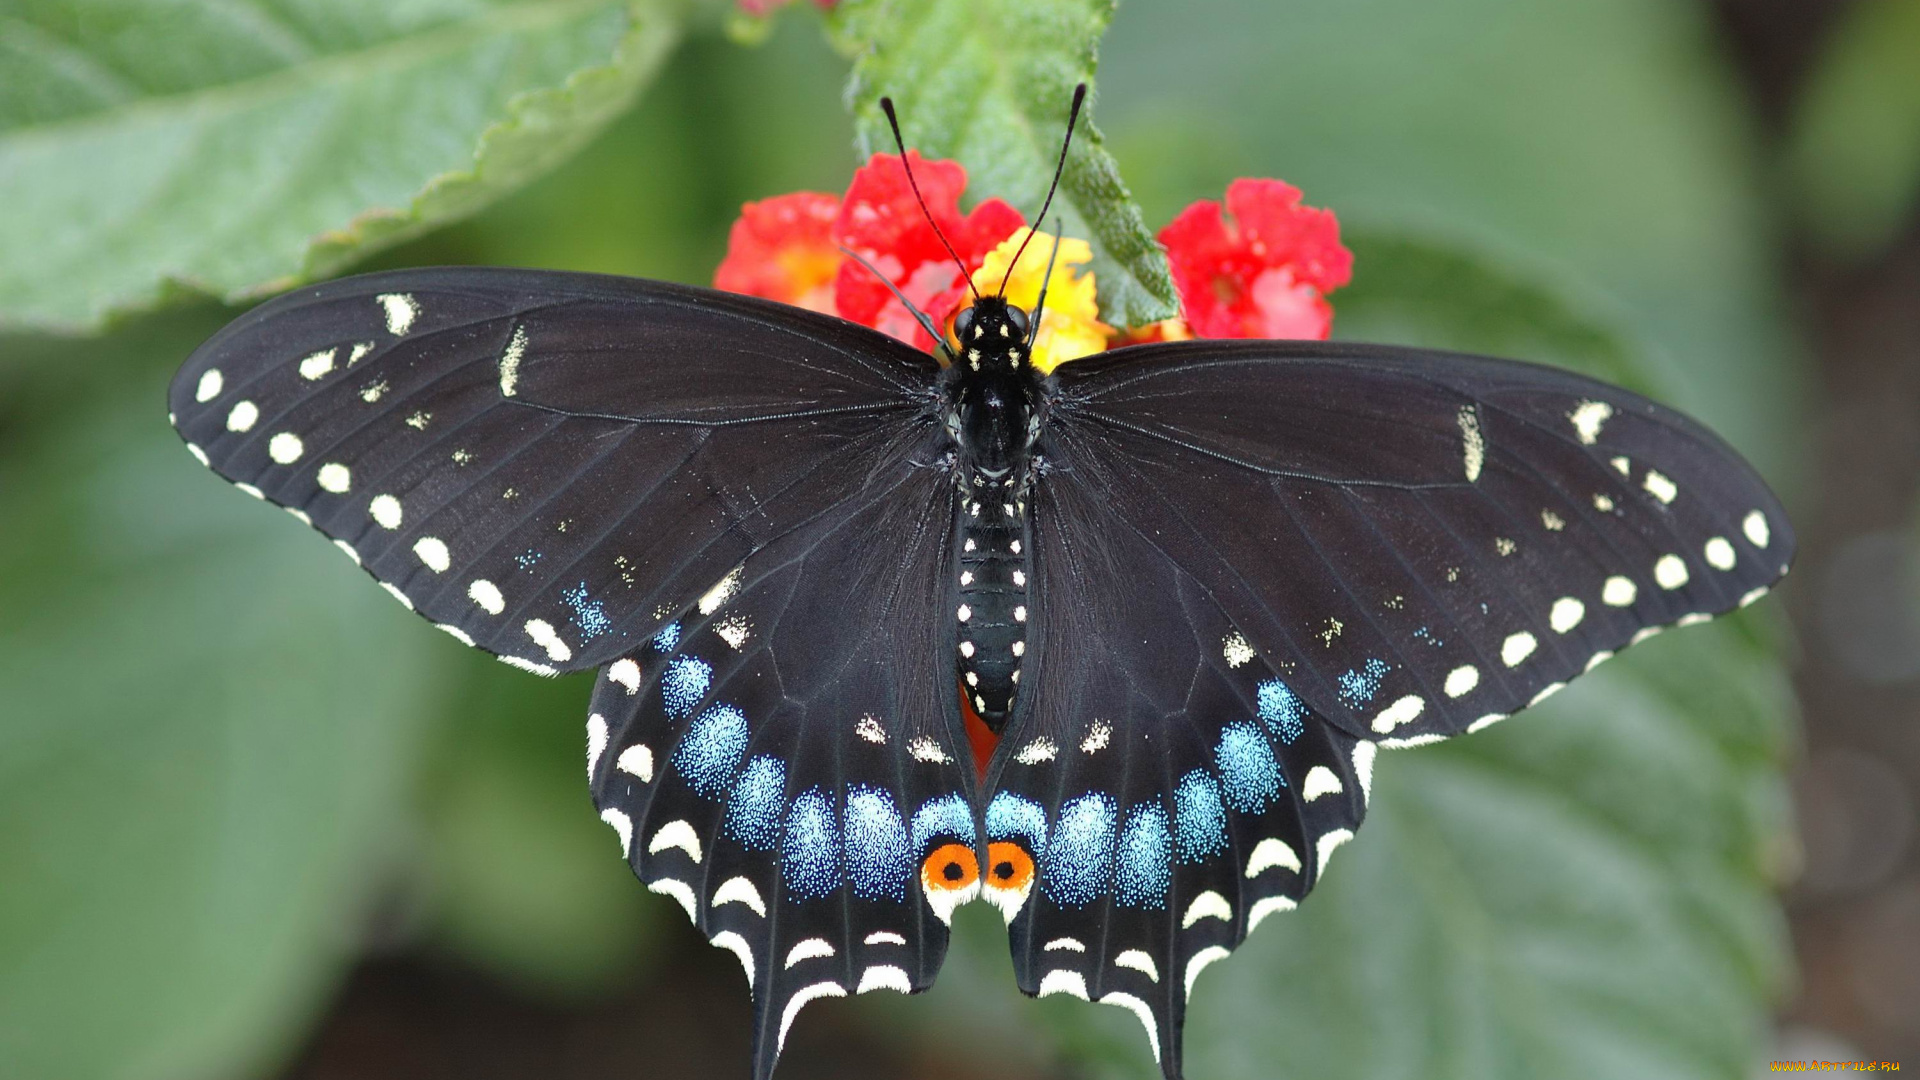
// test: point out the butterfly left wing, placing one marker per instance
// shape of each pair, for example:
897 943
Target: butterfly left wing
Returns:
789 765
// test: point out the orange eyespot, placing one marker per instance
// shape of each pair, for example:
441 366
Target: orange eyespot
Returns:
950 868
1008 866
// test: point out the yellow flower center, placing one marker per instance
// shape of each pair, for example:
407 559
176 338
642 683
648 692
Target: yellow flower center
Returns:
1070 327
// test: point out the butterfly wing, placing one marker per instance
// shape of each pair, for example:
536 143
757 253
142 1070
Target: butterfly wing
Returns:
1256 563
545 464
790 766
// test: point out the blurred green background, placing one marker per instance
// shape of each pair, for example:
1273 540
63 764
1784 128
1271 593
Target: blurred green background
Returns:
257 821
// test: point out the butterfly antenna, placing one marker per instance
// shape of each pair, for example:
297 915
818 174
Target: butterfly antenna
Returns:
886 106
1040 305
919 316
1073 114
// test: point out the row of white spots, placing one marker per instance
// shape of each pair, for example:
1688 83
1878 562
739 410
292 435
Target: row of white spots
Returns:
1473 445
544 635
1403 711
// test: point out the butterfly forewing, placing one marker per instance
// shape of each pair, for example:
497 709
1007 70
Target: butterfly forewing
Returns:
544 464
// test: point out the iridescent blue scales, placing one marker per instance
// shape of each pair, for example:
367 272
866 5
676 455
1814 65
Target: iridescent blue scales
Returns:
1233 573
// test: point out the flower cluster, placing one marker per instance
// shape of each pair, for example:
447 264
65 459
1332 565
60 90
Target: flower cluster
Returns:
1264 272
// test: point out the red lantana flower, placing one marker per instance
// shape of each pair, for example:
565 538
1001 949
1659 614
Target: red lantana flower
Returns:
883 223
1264 274
784 249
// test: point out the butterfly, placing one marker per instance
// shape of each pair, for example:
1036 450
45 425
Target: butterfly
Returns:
1192 588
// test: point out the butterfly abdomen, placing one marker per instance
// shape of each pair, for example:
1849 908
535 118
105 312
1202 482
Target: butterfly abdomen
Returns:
993 600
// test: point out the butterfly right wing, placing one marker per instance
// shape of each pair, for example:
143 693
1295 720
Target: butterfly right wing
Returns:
547 464
787 762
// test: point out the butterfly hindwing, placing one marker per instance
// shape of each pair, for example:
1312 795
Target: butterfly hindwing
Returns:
789 765
535 461
1172 793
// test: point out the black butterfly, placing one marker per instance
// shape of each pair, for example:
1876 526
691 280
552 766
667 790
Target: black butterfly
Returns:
1193 586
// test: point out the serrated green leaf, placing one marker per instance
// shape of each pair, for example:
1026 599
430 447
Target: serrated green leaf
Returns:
988 84
194 806
1854 144
236 149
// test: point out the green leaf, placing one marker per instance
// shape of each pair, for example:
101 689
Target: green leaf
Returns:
1854 145
236 149
988 84
195 805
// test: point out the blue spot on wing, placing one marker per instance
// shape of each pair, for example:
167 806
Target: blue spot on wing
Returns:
684 684
589 615
668 639
1281 710
711 749
1249 776
753 807
810 857
878 860
1016 815
946 817
1357 687
1079 861
1199 821
1146 850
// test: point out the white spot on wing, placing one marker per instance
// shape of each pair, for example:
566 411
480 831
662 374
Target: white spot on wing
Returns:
433 552
1064 944
1660 487
1098 735
1208 905
869 729
622 824
1566 614
243 416
923 748
738 890
1063 982
527 665
735 630
1719 553
636 760
348 550
1320 781
1587 418
487 595
1236 650
456 633
737 945
1258 913
543 635
1755 526
385 510
397 595
799 1000
510 361
1670 572
1462 680
1619 591
885 937
247 488
317 365
210 385
400 310
1141 1012
1270 853
1473 445
624 672
1404 711
1140 962
722 591
679 890
1039 750
596 743
1327 845
812 948
1363 754
199 455
1517 648
335 477
1485 722
285 448
1753 596
677 833
884 977
1199 964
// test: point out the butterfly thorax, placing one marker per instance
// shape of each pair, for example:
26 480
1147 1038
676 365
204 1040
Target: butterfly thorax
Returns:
993 392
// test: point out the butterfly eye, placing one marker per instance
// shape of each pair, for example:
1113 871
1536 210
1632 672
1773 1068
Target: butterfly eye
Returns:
963 323
1018 318
949 868
1008 866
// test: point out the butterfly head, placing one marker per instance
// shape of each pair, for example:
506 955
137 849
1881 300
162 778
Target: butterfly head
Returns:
994 390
